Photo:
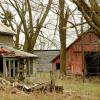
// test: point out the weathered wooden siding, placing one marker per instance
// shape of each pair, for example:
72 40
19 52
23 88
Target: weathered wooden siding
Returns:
74 52
6 39
89 44
45 56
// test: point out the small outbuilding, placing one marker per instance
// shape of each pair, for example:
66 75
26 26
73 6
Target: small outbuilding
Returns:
14 63
44 57
82 56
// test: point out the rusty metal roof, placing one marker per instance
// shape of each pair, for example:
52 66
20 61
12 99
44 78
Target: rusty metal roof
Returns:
7 51
5 30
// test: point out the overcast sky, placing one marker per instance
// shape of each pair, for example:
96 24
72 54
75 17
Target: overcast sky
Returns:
50 28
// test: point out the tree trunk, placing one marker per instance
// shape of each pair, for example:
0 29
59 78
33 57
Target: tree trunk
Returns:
63 17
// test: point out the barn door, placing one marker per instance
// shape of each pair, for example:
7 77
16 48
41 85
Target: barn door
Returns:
92 64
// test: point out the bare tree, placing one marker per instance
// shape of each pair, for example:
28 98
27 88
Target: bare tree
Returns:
9 20
29 25
63 18
91 12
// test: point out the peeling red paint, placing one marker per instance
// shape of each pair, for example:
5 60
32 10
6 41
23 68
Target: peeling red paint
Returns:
74 52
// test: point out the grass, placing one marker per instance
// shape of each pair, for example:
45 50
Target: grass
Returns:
74 89
89 89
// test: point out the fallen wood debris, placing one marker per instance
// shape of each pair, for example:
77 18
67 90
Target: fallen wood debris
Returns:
39 87
43 87
4 84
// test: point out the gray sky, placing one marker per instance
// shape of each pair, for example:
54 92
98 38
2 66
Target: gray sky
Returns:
49 31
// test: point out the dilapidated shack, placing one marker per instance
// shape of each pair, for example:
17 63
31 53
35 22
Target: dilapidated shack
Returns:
14 63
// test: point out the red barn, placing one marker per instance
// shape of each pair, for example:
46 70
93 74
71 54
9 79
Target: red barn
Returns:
83 55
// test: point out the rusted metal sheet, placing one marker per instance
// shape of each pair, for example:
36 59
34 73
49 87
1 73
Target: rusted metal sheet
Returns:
3 50
7 51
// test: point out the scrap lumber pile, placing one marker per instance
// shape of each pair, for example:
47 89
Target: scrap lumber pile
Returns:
4 84
39 87
43 87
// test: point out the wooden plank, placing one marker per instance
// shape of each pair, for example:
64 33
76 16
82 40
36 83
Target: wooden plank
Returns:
34 67
25 73
4 68
9 65
13 68
18 69
29 66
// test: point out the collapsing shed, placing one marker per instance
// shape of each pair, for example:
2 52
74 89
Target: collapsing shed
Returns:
83 55
16 63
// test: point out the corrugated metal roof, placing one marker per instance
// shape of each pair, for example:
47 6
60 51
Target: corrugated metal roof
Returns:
3 50
5 30
7 51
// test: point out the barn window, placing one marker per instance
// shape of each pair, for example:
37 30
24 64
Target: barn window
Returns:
57 66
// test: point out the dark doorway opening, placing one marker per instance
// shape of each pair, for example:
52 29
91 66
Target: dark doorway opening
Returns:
16 67
57 66
11 64
92 63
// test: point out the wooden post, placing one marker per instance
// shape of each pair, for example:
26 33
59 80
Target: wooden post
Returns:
18 69
25 68
34 67
9 65
4 68
52 75
13 68
29 66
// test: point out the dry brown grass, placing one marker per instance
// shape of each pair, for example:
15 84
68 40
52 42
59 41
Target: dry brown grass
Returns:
74 89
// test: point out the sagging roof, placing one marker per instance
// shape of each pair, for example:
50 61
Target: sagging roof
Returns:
6 51
5 30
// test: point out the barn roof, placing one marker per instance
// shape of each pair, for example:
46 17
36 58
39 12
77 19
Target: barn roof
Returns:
7 51
88 31
5 30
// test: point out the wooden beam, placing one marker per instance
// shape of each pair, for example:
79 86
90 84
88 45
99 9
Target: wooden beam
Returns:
9 65
25 73
29 66
18 69
13 68
4 68
52 74
34 67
